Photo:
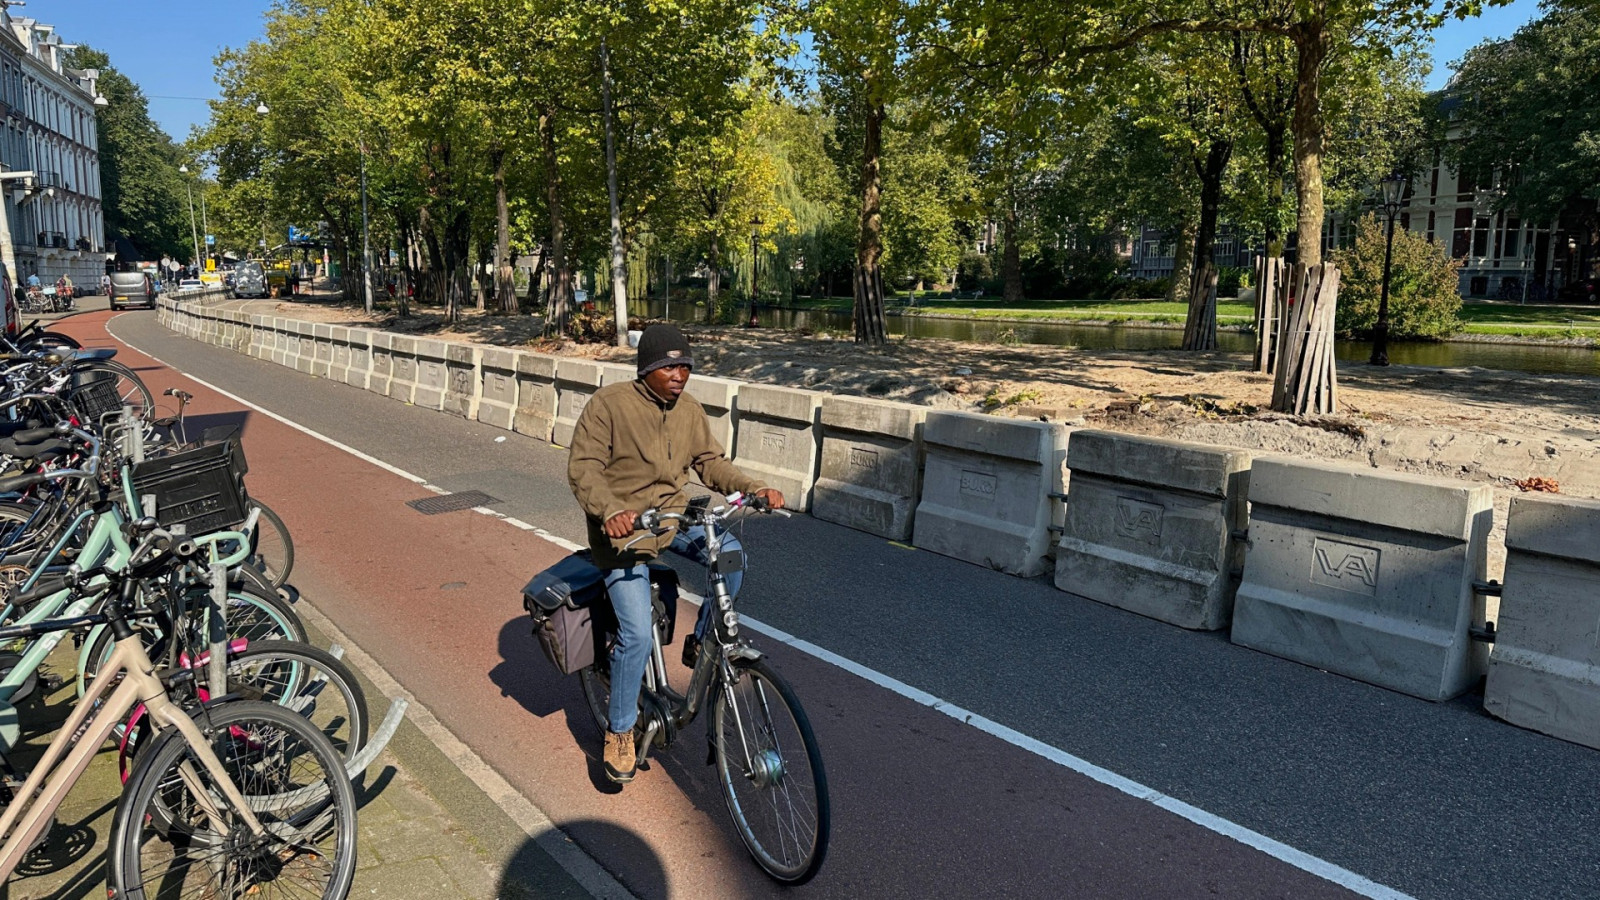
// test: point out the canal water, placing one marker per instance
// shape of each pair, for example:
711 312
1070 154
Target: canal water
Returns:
1544 358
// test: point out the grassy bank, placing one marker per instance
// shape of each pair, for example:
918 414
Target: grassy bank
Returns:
1505 319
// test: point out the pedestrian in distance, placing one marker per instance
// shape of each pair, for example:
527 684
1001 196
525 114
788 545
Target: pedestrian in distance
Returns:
632 450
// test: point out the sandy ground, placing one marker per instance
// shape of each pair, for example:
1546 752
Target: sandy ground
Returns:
1514 430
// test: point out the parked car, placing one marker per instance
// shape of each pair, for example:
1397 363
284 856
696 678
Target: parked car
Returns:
132 289
249 280
190 284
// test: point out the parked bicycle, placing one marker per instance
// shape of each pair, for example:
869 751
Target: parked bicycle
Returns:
769 766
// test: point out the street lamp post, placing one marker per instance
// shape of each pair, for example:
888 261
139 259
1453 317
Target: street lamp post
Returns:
1394 188
193 230
755 228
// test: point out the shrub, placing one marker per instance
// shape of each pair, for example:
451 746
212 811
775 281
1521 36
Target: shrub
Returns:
592 326
1424 290
974 269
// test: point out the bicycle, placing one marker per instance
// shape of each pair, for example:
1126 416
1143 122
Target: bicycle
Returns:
769 767
243 793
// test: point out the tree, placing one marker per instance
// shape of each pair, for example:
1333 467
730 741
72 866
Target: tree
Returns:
142 196
1529 120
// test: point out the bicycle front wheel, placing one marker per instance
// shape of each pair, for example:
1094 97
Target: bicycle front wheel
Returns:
306 680
174 834
770 770
273 550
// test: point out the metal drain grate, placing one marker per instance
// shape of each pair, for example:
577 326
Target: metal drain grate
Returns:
443 503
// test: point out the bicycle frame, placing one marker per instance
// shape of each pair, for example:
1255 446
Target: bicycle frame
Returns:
81 737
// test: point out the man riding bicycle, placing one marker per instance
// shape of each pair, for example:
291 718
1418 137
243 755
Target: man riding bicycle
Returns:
632 450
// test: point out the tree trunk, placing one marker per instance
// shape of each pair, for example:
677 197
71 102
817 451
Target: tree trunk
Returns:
504 284
1311 43
1182 262
868 282
619 264
1011 267
1274 161
714 279
560 293
1200 327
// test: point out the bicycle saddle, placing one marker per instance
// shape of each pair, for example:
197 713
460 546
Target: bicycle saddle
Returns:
49 448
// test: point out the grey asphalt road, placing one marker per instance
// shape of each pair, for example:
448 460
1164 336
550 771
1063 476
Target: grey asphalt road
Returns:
1435 800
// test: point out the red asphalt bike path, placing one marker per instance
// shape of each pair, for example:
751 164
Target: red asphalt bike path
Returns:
922 804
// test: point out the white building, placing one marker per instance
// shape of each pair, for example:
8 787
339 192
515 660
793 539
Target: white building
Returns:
56 223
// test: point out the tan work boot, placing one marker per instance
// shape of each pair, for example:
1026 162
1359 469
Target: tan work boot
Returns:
620 761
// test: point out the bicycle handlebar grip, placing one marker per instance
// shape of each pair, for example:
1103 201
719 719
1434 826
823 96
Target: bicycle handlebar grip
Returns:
649 520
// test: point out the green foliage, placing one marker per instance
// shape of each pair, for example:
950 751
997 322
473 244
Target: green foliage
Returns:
1528 112
1424 300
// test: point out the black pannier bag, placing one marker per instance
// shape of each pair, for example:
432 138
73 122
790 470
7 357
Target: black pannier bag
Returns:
567 620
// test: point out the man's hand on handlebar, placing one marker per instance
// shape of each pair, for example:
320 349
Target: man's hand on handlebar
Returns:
772 497
621 525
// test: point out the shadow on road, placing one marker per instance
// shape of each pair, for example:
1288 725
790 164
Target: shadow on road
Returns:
531 872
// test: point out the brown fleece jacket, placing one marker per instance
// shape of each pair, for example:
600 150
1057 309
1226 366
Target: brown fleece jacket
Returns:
633 451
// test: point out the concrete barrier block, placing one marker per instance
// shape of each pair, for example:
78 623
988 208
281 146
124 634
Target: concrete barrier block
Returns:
1366 573
870 477
1544 670
576 382
719 398
1149 526
382 371
305 345
611 373
403 371
986 489
360 368
321 349
536 395
461 380
497 387
433 374
779 439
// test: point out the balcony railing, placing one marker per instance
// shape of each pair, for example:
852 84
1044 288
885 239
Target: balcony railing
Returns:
52 239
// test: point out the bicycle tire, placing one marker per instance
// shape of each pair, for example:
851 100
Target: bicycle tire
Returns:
272 551
44 340
308 680
289 774
769 768
596 683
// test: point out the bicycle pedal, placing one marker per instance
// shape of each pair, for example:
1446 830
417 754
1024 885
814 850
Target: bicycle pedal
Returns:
644 765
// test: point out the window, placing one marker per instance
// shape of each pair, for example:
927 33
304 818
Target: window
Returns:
1480 237
1513 235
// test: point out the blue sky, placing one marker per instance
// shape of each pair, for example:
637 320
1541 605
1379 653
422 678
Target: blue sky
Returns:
167 47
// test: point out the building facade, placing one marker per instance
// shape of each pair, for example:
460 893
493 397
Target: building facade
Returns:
55 219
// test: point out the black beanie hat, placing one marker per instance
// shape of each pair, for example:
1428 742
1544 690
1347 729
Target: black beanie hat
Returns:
663 345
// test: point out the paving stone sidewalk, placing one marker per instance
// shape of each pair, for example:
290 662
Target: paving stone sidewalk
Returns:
425 830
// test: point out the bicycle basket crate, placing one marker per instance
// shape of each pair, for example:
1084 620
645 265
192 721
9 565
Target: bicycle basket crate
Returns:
95 396
200 489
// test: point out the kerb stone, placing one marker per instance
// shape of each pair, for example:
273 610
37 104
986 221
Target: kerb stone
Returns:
1149 526
986 489
779 439
1544 670
1366 573
871 472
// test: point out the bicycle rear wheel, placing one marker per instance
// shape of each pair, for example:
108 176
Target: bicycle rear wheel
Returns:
770 770
174 836
273 549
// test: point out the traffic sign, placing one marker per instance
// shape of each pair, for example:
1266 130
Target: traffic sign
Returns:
211 240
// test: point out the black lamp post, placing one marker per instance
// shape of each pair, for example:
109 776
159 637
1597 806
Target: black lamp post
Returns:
1394 188
755 228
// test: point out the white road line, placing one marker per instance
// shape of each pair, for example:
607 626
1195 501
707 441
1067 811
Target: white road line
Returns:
1276 849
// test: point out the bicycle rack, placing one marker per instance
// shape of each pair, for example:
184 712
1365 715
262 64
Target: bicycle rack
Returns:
384 734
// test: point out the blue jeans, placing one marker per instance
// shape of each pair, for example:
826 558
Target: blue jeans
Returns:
630 597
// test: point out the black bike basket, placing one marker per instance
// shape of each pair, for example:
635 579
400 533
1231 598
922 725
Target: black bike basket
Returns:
94 395
200 489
